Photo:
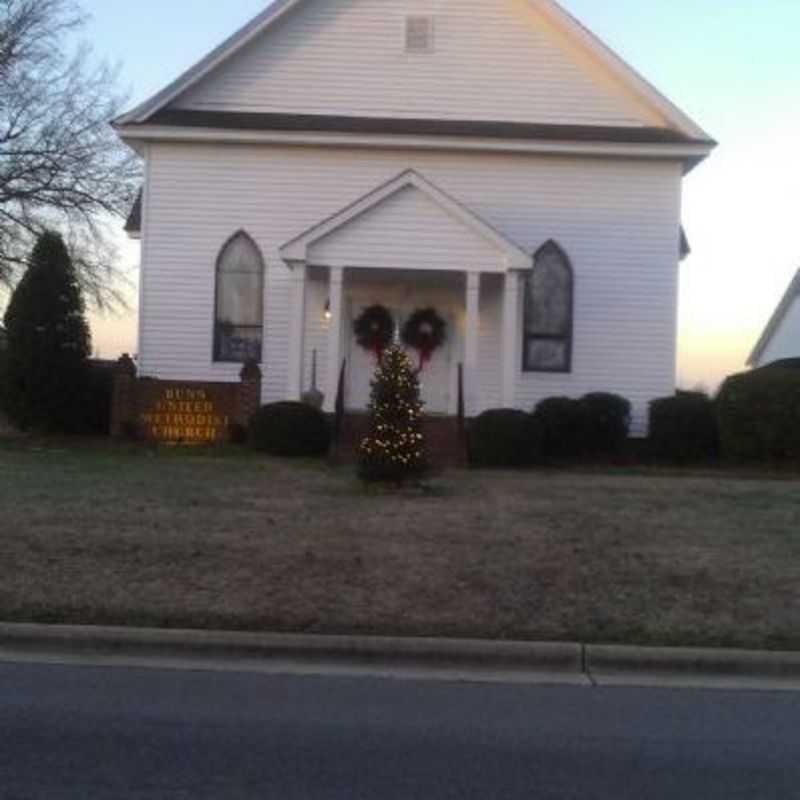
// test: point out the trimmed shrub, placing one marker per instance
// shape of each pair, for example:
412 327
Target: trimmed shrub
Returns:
607 422
504 438
562 421
97 407
683 428
290 429
759 415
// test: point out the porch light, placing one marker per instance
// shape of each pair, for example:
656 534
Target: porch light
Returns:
327 313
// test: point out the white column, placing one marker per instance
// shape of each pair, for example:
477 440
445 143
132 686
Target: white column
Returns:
334 337
297 328
511 335
471 326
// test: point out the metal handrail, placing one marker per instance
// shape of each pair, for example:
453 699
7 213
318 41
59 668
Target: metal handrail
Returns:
339 406
461 402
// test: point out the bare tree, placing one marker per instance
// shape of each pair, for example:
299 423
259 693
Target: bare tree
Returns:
61 165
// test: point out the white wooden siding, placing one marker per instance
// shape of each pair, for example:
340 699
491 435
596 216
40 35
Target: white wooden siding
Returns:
617 219
491 60
785 342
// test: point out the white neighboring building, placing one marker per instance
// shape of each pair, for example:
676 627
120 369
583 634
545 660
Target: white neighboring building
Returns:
488 158
781 337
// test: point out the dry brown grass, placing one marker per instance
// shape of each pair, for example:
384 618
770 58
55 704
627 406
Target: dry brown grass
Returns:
109 535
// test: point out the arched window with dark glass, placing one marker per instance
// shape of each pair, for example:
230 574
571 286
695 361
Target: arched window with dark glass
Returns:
547 336
239 318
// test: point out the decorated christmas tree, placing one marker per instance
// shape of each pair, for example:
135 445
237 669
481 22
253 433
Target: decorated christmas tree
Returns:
394 448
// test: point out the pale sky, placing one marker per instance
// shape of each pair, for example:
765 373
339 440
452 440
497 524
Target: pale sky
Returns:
733 65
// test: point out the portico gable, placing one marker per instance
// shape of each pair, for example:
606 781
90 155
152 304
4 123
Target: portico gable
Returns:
407 223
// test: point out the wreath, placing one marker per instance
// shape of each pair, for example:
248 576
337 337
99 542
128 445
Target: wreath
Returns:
425 331
374 329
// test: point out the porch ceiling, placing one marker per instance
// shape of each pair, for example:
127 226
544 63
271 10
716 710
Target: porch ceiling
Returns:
407 223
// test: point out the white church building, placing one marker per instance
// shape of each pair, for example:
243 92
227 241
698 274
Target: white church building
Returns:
491 160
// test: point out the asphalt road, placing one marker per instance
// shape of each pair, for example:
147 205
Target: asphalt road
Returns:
94 733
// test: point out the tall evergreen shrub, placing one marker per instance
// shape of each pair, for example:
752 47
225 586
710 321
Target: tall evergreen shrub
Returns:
48 343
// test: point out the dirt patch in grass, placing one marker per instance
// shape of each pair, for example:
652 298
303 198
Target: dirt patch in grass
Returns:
227 540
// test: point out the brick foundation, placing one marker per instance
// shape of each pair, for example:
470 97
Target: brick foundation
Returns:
445 442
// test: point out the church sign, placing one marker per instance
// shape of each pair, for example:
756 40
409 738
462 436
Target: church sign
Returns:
191 416
182 412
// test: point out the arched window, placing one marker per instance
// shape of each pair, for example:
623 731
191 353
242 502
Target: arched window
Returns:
239 318
547 337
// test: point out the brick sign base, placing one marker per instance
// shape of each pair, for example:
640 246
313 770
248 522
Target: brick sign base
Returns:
182 412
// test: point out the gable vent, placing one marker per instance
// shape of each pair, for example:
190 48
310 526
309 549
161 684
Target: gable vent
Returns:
419 34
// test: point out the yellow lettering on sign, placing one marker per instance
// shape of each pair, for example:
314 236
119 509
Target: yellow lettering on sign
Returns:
184 415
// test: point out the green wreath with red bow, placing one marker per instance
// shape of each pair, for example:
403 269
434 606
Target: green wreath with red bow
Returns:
425 331
374 329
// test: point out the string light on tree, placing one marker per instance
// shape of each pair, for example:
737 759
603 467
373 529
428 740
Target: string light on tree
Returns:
394 449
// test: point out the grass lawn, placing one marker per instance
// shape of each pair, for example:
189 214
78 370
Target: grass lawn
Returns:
107 534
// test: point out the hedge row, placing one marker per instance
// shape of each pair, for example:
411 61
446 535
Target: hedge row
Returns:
559 428
755 417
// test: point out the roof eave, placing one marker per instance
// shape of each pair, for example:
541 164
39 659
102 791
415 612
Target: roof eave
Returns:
196 72
622 70
690 154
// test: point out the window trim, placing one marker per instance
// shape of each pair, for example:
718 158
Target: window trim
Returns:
215 341
569 337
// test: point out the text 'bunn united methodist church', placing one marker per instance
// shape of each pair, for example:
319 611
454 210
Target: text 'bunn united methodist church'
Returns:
185 415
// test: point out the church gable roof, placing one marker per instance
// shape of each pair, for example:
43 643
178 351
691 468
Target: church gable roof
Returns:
390 195
552 71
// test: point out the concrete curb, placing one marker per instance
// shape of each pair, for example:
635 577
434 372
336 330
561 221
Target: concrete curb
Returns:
551 662
610 661
362 653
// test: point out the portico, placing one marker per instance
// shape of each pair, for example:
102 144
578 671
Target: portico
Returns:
407 245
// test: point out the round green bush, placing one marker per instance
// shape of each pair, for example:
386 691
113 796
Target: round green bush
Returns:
563 422
683 428
607 420
290 429
504 438
759 415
